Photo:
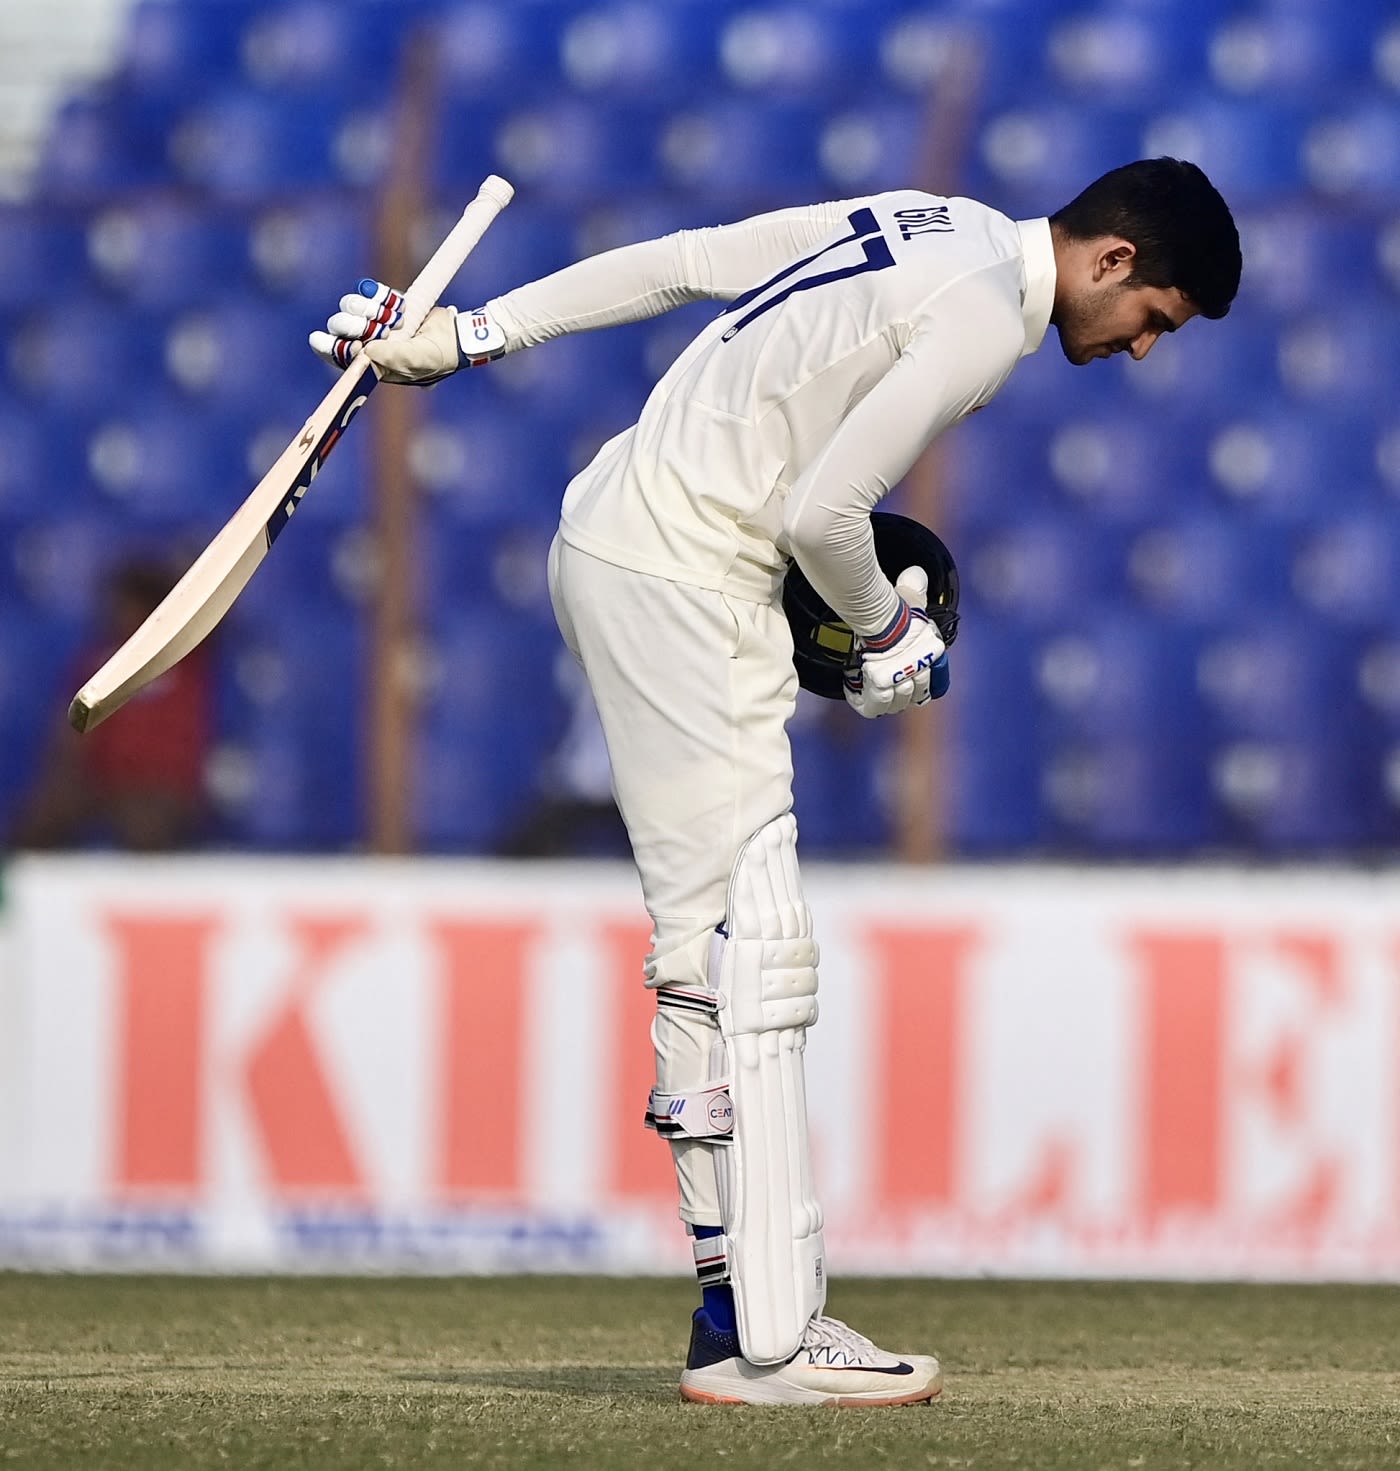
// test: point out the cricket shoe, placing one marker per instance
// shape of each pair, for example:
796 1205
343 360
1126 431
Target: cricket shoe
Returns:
834 1365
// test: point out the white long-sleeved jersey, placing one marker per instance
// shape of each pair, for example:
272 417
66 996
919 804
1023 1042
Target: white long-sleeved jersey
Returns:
855 332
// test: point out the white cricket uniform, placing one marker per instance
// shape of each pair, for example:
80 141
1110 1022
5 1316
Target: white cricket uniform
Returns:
856 331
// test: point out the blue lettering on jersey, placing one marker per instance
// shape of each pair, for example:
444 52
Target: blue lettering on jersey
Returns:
932 219
865 232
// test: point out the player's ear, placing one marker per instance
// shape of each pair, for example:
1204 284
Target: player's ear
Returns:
1114 259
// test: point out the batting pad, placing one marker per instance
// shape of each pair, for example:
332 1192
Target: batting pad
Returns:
766 988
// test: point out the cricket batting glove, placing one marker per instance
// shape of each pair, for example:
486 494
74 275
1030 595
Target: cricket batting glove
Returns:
447 340
906 663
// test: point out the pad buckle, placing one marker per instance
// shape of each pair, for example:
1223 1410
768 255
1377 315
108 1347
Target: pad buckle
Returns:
702 1113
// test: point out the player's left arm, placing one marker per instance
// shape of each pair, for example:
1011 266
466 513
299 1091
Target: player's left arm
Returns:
957 357
628 284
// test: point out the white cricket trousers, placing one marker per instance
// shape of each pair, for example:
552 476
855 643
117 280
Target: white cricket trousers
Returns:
694 690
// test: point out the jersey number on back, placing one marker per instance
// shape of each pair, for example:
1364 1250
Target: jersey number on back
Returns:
865 232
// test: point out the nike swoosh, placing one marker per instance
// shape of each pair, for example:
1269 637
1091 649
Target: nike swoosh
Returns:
901 1368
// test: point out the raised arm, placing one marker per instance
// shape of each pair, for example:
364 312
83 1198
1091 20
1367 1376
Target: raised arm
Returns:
643 280
618 286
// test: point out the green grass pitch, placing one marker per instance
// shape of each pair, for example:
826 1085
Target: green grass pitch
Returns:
155 1373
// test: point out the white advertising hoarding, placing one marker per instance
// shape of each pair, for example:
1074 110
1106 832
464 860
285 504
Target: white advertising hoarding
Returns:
425 1065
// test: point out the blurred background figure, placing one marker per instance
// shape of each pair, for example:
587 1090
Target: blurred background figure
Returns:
137 782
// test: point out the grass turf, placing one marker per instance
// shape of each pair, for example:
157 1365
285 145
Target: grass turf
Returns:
157 1373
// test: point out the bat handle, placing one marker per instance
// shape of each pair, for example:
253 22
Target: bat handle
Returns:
444 263
913 587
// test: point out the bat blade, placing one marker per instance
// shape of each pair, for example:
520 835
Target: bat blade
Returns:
194 606
196 603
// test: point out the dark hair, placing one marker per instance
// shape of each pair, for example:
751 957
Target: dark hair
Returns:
1183 230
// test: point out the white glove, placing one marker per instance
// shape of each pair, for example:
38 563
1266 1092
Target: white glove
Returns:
446 341
897 667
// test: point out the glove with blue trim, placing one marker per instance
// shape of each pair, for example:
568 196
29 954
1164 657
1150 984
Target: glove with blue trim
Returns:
903 665
447 340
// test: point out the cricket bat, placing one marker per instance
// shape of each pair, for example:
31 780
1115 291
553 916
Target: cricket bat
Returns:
196 603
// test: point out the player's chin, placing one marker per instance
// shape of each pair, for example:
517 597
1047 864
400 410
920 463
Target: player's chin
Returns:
1081 356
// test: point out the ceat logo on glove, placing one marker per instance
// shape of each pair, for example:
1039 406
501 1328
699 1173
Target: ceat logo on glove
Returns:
910 670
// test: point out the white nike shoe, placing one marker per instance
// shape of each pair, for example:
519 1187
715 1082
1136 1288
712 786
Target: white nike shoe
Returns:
834 1365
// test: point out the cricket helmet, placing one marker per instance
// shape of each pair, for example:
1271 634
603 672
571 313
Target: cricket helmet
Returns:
823 645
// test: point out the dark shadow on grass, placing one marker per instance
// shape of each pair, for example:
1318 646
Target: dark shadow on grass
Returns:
575 1380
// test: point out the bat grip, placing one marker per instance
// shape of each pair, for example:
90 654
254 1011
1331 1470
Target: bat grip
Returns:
444 263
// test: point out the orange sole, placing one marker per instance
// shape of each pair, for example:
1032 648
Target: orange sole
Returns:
841 1402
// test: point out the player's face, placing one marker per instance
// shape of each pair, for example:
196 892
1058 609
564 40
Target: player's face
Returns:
1111 316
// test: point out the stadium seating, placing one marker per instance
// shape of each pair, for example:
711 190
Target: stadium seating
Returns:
1181 617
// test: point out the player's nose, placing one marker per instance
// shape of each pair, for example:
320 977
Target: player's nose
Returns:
1142 345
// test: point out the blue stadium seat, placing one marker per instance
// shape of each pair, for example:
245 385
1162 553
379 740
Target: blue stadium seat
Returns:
1346 569
241 143
1115 54
638 48
42 467
1377 674
1206 365
245 354
311 250
318 573
83 353
1109 676
990 791
995 733
1137 796
480 464
485 570
1250 149
1285 795
1292 245
967 46
158 462
1298 51
100 146
298 692
318 45
56 567
1341 354
799 50
478 759
840 795
874 144
175 49
1278 464
1123 467
35 657
1040 569
579 380
573 151
993 468
38 248
165 253
1207 567
741 152
1274 673
486 49
1038 154
1353 152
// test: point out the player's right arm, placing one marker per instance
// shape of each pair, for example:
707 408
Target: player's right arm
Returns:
618 286
959 352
